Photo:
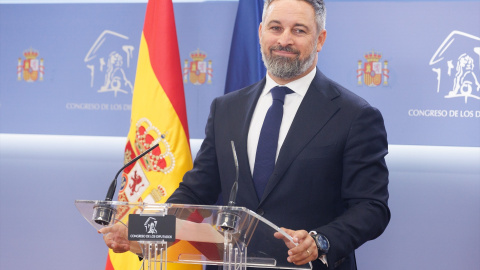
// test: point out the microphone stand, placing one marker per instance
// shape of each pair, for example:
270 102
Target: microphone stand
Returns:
227 221
104 212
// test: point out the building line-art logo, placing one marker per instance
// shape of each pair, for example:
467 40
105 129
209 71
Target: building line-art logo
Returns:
109 57
30 68
198 70
372 71
151 225
457 65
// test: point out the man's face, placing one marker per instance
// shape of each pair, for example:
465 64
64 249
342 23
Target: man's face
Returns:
289 40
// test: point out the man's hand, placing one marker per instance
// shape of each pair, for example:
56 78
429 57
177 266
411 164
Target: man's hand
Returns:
116 238
306 250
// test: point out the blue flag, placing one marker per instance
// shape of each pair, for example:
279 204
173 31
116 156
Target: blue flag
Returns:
245 64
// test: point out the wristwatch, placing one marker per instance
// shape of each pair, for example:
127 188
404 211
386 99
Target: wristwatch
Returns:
322 242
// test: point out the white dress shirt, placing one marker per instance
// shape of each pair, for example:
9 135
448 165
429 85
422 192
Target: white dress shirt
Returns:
290 107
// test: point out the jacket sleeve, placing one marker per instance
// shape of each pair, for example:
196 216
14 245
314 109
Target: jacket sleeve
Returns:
364 187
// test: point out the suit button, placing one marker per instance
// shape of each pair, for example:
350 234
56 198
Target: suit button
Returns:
260 212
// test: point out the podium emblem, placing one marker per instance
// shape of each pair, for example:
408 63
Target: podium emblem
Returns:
151 225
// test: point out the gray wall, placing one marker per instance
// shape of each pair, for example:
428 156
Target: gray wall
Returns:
435 204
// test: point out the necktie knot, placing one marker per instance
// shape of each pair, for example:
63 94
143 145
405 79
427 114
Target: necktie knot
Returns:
279 92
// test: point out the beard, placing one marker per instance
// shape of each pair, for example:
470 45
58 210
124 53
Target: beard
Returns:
286 67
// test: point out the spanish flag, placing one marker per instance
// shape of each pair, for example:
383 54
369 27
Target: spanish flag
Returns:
158 116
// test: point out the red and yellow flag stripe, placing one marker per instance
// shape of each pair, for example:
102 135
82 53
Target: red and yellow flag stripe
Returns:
159 97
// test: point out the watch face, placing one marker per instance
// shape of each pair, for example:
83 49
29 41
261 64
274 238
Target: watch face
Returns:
323 243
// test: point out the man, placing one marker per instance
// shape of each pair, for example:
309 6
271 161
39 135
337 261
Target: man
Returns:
328 189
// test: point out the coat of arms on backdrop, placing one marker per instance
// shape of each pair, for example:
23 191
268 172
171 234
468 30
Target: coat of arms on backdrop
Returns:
198 71
31 68
373 71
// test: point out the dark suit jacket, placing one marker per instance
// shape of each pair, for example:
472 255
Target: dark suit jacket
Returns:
330 174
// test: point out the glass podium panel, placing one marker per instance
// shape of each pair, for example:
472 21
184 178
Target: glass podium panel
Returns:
232 237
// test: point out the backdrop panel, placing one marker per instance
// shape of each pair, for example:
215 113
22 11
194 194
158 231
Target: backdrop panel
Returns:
417 61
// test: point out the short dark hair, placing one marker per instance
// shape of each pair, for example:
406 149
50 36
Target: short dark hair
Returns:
318 7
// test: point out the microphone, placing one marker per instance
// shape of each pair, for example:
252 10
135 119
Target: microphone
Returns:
227 220
104 212
113 185
233 192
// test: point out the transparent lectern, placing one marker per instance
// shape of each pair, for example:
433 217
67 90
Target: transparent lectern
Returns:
231 237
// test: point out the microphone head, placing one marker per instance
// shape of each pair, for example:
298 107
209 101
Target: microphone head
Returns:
227 221
103 213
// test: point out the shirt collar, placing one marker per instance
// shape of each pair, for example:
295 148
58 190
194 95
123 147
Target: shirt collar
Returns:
299 86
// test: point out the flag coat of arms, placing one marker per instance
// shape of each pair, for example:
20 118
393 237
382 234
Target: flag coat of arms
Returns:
158 116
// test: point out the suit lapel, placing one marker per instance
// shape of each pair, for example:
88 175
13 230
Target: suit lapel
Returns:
249 101
314 112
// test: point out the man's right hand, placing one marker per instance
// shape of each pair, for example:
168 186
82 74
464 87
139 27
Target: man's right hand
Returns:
116 238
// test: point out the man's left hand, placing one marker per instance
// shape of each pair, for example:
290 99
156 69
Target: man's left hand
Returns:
306 250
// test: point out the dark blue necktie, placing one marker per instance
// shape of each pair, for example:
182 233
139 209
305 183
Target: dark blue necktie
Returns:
268 141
